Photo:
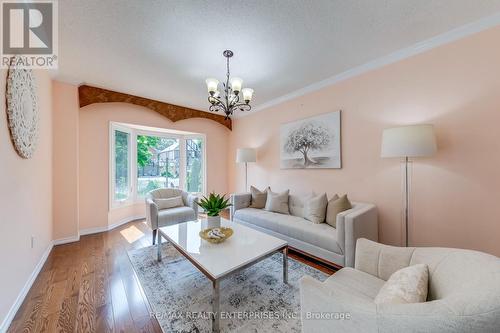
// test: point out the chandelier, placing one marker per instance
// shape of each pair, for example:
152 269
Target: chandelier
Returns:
231 90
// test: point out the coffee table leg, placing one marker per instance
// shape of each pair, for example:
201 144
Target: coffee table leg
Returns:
285 265
158 246
215 305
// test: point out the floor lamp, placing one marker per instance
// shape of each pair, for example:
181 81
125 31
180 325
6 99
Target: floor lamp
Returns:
407 142
246 155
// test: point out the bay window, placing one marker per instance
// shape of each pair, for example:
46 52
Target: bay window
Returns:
143 159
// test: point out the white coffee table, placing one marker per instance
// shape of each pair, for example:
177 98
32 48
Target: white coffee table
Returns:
216 261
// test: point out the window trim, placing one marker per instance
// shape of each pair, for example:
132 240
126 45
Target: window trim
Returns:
134 197
112 166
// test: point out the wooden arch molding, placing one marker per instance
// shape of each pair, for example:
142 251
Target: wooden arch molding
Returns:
89 95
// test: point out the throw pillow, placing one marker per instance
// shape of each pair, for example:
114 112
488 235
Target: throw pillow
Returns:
335 206
408 285
315 208
169 203
277 202
296 203
258 197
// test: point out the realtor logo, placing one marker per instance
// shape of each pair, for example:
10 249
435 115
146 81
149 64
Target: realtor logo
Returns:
29 29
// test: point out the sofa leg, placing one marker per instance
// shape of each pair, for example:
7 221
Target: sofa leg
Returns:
154 236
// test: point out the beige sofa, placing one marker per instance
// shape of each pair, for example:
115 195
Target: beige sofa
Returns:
335 245
464 293
157 218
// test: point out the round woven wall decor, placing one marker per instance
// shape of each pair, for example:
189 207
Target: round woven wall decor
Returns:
22 110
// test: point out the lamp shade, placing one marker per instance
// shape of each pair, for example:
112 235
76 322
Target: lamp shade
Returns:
212 84
247 94
236 84
409 141
244 155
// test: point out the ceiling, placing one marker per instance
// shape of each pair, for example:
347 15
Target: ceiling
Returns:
165 49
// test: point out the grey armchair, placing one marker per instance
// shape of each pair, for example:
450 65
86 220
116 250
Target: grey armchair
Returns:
157 218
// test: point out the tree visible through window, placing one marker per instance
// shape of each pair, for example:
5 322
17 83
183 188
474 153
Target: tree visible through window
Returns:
157 163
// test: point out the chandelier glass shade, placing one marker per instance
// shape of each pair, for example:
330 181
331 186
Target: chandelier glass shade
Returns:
234 96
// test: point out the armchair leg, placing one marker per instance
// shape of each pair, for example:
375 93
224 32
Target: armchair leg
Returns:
154 236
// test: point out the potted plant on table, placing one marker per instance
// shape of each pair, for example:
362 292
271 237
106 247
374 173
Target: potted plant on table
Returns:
213 205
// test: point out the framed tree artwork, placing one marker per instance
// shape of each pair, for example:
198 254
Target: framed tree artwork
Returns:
311 143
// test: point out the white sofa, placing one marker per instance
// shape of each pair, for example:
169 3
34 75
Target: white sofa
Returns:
335 245
464 293
157 218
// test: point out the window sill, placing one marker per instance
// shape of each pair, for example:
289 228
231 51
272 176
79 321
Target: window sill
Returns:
125 205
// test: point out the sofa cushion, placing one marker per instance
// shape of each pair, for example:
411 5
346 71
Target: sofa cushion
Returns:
355 281
315 208
259 198
265 219
277 202
336 205
296 203
320 235
175 215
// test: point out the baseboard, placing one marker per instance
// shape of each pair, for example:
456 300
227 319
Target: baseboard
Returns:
27 286
96 230
66 240
90 231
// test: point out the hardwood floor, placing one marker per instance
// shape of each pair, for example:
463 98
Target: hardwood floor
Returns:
90 286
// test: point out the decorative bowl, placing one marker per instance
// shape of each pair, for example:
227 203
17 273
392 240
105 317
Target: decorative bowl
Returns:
228 232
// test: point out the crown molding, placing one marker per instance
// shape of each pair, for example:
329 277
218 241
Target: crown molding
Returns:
420 47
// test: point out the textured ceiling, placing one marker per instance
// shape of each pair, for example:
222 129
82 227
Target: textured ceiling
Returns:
165 49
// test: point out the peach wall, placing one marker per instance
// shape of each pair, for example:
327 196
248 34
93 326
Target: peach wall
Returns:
455 194
65 175
94 156
25 198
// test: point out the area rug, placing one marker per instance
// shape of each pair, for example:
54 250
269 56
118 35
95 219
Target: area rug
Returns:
252 300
